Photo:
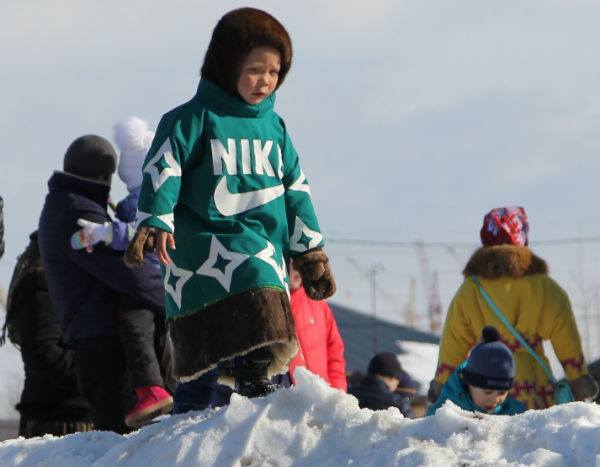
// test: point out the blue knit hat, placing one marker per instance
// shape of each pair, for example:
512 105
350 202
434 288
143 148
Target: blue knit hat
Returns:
491 364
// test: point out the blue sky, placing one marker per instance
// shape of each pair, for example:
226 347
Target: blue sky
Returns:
412 119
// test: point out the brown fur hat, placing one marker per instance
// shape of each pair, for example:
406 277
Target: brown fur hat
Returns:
234 36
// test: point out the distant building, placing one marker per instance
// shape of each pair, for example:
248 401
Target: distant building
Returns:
358 331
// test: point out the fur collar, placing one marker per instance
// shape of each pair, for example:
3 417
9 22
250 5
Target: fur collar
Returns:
504 260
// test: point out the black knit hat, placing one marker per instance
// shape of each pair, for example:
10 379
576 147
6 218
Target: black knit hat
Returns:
234 36
386 364
491 364
90 156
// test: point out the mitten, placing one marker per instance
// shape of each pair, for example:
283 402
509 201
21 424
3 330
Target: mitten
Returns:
90 234
317 278
142 242
584 387
435 388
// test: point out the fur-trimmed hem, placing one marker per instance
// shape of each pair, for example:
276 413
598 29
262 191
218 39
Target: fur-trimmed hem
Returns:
282 352
504 260
233 327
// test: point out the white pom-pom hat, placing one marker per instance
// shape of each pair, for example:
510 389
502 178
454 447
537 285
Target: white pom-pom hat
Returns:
133 137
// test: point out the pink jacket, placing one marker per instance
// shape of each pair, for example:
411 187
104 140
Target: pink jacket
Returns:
321 346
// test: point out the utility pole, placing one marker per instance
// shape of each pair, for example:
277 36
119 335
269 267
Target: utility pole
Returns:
382 292
434 307
432 288
376 268
410 309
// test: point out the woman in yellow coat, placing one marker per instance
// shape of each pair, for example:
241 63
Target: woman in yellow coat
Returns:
518 282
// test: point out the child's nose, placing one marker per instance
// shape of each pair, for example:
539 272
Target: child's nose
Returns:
265 79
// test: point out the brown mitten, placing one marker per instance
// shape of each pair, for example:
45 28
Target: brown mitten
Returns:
584 388
435 387
317 278
142 242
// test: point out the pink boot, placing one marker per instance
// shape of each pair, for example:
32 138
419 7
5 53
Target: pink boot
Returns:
152 402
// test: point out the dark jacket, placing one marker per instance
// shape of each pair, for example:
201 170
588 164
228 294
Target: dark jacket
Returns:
85 287
372 393
50 392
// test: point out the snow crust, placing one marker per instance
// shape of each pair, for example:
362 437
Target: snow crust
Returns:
312 424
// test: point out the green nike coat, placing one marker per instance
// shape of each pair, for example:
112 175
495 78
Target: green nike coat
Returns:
223 176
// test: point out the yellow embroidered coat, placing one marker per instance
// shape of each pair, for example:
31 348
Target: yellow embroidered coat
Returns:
518 282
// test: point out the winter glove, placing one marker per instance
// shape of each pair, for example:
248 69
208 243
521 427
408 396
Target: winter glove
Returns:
584 387
142 242
435 388
317 278
90 234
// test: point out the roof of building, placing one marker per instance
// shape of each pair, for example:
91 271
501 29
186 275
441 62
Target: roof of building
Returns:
357 330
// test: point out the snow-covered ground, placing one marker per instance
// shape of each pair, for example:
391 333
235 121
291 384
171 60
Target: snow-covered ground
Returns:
311 425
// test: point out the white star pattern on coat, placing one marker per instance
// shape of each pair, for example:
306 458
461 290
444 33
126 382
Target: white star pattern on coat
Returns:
280 163
210 266
168 219
141 216
311 237
300 185
268 255
172 168
181 277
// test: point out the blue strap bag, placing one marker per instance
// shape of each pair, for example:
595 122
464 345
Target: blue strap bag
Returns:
562 390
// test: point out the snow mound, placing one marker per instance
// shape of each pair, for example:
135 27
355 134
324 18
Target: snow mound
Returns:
312 424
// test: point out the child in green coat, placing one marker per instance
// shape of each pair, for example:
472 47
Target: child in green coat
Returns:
483 381
225 204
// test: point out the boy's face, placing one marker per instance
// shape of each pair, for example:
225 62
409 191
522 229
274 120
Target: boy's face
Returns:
487 399
259 74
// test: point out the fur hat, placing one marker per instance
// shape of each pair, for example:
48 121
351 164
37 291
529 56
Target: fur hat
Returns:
234 36
90 156
134 138
505 226
491 364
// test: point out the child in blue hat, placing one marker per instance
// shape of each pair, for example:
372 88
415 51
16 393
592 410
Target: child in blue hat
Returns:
483 381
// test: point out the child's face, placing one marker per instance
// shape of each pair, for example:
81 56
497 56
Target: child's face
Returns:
259 74
487 399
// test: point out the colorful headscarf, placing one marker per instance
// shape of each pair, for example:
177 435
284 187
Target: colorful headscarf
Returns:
507 225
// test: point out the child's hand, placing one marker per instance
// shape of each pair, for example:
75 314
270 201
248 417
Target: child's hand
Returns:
90 234
162 240
317 279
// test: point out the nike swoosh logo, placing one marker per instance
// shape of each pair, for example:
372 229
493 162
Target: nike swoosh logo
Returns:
230 204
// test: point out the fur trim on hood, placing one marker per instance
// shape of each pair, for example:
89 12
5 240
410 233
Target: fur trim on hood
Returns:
504 260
